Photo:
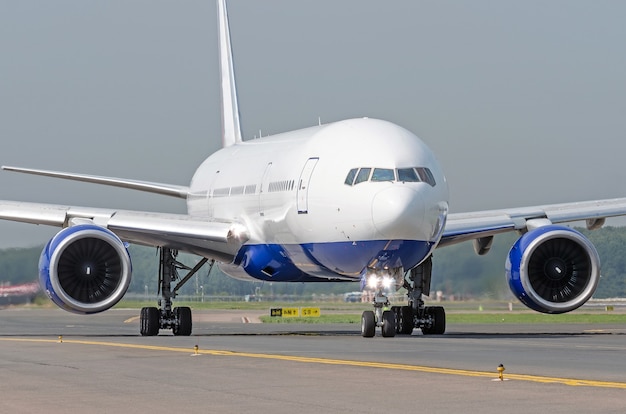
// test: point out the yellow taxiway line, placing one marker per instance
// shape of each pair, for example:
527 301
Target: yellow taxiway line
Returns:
343 362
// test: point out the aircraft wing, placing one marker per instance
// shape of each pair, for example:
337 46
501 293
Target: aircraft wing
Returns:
461 227
214 239
147 186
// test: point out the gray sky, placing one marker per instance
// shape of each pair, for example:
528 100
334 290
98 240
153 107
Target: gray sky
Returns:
524 102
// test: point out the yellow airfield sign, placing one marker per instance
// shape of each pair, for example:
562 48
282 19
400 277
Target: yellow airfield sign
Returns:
295 312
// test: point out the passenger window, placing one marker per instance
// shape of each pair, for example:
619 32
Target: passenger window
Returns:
407 175
363 175
351 175
383 174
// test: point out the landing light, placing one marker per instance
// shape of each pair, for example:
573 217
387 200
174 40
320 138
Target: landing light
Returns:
372 282
238 232
375 282
387 282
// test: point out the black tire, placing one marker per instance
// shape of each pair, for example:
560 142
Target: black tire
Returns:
142 316
183 321
368 324
150 321
397 313
389 324
407 325
438 315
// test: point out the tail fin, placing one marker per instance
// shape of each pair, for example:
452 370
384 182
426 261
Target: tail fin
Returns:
231 128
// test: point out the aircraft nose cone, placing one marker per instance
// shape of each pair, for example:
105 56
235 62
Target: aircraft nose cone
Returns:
398 213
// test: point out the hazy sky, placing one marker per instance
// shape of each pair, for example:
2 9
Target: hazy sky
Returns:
524 102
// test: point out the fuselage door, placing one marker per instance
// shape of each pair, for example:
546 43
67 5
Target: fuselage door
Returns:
263 188
303 185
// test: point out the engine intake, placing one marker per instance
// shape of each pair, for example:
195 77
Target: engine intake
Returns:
553 269
85 269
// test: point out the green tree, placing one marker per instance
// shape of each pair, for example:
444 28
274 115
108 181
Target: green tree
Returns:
457 270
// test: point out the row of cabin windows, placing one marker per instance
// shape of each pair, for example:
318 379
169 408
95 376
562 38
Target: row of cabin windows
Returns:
405 175
286 185
276 186
231 191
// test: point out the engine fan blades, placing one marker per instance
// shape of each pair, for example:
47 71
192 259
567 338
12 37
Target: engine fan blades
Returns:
559 270
89 270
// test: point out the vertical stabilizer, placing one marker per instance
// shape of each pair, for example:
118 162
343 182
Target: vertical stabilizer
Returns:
231 128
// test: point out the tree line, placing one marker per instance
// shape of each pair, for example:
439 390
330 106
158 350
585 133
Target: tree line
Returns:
457 271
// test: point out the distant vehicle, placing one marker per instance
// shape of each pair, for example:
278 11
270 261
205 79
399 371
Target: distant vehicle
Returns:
352 296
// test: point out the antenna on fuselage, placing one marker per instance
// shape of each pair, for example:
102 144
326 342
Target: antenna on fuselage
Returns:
231 127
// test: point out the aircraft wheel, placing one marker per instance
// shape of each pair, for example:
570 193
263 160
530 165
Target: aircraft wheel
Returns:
368 324
389 324
438 316
406 327
149 321
183 321
397 312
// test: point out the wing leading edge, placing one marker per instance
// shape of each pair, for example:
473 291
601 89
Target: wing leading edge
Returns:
212 239
462 227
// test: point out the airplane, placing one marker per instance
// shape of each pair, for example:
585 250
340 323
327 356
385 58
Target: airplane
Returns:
355 200
22 293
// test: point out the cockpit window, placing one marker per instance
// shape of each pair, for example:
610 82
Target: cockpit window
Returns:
408 175
404 175
363 175
350 176
383 174
426 175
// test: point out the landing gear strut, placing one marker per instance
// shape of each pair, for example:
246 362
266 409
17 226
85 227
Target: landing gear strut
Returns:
164 317
430 319
403 319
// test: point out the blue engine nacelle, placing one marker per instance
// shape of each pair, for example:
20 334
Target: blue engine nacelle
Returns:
85 269
553 269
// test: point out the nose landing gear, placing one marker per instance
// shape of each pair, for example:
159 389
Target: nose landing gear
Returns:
385 319
379 317
403 319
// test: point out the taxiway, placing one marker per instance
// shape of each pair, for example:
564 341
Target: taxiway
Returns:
53 361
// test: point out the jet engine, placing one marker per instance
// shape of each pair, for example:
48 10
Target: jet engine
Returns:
553 269
85 269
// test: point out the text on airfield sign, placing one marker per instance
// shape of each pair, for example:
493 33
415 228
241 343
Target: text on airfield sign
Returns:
295 312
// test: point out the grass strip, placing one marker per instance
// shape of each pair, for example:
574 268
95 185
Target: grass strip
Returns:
474 318
350 313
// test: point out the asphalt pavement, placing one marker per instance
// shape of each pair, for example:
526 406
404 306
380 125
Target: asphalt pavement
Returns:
53 361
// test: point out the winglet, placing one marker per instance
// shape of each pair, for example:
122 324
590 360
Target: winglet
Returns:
231 128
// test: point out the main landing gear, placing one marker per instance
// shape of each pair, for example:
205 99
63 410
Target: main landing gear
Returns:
164 317
403 319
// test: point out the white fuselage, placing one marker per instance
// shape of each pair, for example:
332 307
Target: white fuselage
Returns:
290 192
